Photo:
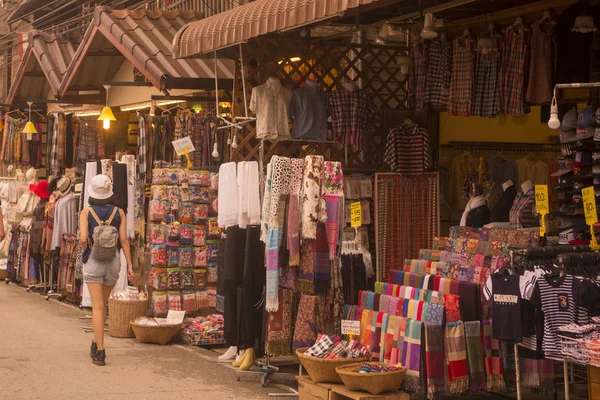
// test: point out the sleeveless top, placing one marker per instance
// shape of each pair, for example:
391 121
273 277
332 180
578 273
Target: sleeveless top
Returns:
103 213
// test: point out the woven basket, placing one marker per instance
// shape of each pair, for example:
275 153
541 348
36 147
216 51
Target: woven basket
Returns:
375 382
120 312
161 334
322 370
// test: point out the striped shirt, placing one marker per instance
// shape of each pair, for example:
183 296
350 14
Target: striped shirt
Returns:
554 296
407 149
522 213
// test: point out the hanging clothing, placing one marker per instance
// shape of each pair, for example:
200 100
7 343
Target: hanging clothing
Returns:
350 113
65 218
308 108
522 213
461 83
535 171
270 103
513 70
418 74
506 292
501 210
407 149
460 167
486 95
542 63
501 170
439 66
38 227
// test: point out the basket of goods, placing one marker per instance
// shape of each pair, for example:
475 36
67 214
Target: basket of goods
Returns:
201 331
372 377
154 330
328 353
125 306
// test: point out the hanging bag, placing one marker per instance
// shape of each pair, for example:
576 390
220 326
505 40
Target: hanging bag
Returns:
105 238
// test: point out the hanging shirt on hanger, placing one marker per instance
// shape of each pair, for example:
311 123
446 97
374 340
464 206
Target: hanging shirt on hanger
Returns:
535 171
522 214
542 63
506 293
407 149
438 72
270 104
417 75
461 84
486 96
350 112
308 108
513 78
65 219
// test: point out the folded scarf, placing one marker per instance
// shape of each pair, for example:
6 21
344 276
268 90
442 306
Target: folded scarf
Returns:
470 300
279 335
546 370
305 332
530 374
393 305
311 195
383 334
293 228
433 313
434 357
384 303
508 365
379 287
456 357
411 355
305 273
272 266
475 355
493 361
365 321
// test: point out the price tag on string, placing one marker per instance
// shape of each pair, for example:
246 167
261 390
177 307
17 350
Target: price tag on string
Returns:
183 146
350 328
541 205
355 214
591 215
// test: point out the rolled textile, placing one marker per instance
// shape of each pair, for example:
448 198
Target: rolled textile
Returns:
311 195
456 357
228 195
434 358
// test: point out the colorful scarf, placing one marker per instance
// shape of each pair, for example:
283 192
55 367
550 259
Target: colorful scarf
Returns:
546 371
279 335
293 225
433 313
384 303
530 374
411 355
393 334
434 357
280 187
385 321
305 274
311 195
365 321
452 304
320 253
264 216
475 355
272 264
508 365
456 357
305 332
337 292
373 333
332 224
493 362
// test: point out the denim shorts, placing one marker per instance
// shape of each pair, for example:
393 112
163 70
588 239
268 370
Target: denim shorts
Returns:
105 272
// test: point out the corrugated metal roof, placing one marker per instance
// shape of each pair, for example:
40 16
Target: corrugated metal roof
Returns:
44 65
144 38
254 19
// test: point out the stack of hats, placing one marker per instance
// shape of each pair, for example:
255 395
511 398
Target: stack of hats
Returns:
579 167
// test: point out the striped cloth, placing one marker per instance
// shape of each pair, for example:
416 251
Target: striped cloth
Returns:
456 357
513 70
461 84
418 74
407 149
411 355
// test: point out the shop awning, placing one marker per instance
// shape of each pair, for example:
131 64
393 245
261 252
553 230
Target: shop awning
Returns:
142 37
250 20
43 67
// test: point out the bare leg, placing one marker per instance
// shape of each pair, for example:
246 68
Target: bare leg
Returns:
98 312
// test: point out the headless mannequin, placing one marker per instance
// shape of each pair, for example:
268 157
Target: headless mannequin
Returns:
507 184
311 83
526 186
500 212
349 86
477 200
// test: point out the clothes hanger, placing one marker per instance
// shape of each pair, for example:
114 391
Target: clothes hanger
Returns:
466 34
518 22
17 111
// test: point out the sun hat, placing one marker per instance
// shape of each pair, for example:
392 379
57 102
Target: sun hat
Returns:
100 187
64 185
40 189
569 120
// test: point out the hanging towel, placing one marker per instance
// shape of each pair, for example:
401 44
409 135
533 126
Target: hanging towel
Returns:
456 357
434 357
248 194
475 355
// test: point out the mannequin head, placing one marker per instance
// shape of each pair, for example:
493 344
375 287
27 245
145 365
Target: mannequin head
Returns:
526 186
507 184
31 175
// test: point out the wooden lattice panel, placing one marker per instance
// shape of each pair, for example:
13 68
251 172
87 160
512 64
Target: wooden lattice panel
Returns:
373 67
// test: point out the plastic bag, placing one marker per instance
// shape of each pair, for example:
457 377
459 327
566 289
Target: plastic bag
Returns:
174 278
158 255
186 257
186 213
189 301
172 256
187 278
199 235
157 234
186 235
200 256
175 301
159 303
199 278
200 213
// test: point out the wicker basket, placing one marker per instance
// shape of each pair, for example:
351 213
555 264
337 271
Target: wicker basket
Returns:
374 383
158 334
120 312
322 370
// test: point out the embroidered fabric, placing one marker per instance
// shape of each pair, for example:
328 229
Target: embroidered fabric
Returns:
311 197
280 185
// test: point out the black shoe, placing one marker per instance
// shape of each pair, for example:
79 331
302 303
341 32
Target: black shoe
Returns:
99 358
93 349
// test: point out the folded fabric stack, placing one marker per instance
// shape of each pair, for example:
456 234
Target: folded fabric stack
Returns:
371 368
332 348
577 331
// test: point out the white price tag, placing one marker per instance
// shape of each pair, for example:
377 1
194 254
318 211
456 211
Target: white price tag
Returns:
183 146
350 327
175 317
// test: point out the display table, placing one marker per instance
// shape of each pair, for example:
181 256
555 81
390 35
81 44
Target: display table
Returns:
308 390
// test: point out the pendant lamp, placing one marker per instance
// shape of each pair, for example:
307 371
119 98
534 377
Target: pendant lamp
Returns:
554 122
106 115
428 31
29 128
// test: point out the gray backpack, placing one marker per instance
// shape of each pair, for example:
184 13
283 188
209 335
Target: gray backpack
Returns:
105 238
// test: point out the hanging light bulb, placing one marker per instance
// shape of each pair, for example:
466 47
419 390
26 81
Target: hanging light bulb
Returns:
234 144
554 122
29 128
215 152
428 31
106 115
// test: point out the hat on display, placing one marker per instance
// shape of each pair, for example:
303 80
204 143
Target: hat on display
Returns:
585 132
100 187
568 136
582 159
64 185
563 168
569 120
586 118
566 236
40 189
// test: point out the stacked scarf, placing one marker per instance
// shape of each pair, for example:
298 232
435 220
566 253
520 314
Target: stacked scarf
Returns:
456 357
433 313
452 304
411 355
383 334
312 183
475 355
493 362
392 339
293 228
305 332
320 254
279 335
434 358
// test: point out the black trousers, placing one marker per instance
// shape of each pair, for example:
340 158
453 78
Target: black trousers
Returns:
252 303
233 267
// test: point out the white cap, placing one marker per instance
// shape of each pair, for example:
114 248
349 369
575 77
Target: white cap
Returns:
100 187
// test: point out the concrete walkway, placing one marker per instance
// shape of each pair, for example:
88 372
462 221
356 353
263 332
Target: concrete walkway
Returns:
44 354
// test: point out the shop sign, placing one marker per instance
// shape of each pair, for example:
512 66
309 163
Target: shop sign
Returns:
350 327
541 199
183 146
355 214
589 205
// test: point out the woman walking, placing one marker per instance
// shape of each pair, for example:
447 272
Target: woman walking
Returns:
103 231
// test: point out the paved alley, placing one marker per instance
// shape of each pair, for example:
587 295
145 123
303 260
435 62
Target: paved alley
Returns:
44 354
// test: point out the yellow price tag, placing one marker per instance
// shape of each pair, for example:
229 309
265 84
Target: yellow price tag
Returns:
355 215
589 205
541 199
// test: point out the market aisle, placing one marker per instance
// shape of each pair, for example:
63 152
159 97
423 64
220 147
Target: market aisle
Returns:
44 354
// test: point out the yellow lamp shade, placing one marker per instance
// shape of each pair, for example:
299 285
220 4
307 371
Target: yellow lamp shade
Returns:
106 116
29 128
